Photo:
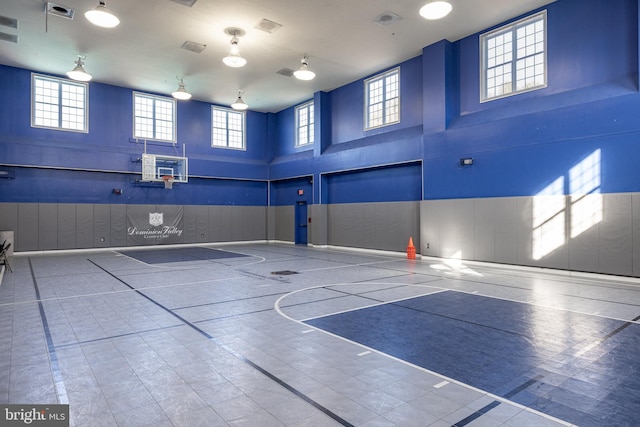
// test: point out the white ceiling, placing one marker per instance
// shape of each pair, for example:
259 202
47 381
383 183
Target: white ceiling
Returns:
144 52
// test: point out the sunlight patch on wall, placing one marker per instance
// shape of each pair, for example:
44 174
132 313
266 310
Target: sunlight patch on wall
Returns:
586 201
549 207
551 215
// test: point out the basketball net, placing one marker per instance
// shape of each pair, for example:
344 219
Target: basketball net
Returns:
168 182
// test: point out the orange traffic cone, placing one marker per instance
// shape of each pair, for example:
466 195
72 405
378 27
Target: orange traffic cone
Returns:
411 250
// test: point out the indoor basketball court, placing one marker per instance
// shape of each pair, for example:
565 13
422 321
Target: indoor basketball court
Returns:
276 334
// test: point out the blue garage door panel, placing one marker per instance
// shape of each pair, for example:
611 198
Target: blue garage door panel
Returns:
398 183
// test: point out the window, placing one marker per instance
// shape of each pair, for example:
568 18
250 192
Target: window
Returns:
228 128
514 58
58 104
382 99
154 117
304 124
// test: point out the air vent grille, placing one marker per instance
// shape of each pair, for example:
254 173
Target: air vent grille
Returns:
8 22
59 10
188 3
285 72
268 26
8 37
193 46
386 18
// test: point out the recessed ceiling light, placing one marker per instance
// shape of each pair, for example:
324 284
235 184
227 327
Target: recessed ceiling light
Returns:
435 10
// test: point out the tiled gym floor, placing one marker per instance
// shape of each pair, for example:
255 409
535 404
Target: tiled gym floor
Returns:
210 336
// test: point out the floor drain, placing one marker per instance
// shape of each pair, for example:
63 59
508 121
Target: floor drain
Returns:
284 273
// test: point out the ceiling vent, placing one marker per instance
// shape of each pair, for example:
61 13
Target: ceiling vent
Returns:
8 37
268 26
193 46
285 72
188 3
59 10
8 22
386 18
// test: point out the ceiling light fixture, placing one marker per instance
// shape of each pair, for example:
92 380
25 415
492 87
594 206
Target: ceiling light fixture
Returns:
102 17
79 73
304 73
181 93
239 104
435 10
234 59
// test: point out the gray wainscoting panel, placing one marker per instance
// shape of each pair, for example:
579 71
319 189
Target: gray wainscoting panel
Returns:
542 231
635 202
583 244
118 225
431 212
101 226
285 223
337 224
47 226
202 223
215 223
318 215
9 220
457 229
227 224
383 226
484 229
615 231
254 227
506 239
67 226
84 226
189 224
238 218
27 235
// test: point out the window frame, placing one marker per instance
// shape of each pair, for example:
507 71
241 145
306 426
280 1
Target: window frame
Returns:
512 29
61 82
310 112
367 93
228 111
174 119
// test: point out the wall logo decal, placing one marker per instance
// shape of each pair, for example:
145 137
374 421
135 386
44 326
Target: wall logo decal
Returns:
156 218
152 225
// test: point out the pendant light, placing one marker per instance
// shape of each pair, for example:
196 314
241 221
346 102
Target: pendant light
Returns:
239 105
181 93
304 73
234 59
79 73
102 17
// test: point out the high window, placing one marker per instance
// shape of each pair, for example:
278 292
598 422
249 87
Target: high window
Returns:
304 124
59 104
228 128
382 99
514 58
154 117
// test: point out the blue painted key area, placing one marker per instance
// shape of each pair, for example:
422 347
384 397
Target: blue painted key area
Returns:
165 256
579 368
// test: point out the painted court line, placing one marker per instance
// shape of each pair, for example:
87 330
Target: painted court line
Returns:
58 381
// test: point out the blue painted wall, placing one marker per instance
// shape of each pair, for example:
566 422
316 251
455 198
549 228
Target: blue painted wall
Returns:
519 144
75 163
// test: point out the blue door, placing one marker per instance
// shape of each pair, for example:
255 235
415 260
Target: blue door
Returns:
301 222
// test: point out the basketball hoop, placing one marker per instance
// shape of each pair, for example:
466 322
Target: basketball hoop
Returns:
168 182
